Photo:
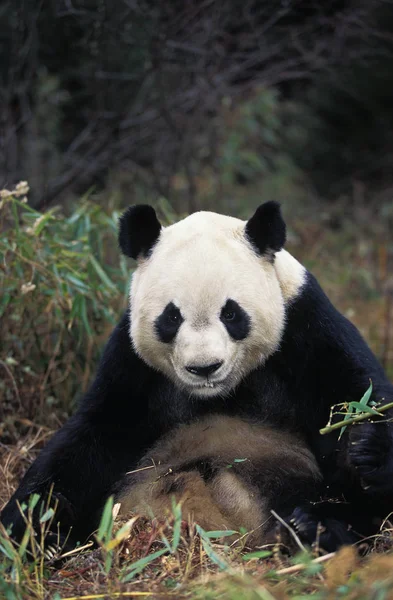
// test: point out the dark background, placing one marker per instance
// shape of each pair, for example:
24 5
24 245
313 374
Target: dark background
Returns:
123 93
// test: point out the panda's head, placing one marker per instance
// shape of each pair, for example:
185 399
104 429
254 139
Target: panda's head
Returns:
209 294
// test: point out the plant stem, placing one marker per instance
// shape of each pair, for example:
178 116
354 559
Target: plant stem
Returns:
352 420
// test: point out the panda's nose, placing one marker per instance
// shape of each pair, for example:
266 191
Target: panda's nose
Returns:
204 371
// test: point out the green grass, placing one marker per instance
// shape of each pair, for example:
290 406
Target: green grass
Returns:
141 558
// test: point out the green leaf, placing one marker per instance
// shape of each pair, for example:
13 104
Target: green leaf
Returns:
367 395
47 515
101 274
7 549
346 418
42 222
212 535
77 282
16 218
258 554
362 408
85 319
239 460
106 524
24 542
176 509
108 562
76 307
214 557
33 500
140 564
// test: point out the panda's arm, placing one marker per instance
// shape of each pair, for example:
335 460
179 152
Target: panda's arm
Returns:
343 366
91 452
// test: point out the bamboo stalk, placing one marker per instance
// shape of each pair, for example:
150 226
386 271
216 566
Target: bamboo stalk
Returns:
355 419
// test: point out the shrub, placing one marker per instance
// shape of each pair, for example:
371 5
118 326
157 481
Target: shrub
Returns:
60 293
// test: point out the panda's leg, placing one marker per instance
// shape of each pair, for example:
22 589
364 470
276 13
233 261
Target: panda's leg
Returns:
242 504
155 497
75 472
323 525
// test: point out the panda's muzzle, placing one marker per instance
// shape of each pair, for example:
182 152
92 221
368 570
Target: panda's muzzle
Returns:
204 371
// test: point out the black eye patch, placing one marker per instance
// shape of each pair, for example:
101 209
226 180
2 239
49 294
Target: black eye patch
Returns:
236 320
168 323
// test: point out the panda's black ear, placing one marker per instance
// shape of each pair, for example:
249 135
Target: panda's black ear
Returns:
266 229
139 230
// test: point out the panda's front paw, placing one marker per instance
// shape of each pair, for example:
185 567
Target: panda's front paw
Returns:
370 452
326 533
55 546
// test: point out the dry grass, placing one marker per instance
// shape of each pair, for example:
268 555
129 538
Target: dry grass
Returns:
190 565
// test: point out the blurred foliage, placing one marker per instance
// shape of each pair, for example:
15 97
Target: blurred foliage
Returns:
252 144
254 150
59 294
347 124
90 87
347 117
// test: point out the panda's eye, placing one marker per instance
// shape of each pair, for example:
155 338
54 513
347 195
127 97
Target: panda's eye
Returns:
229 315
174 317
235 319
168 323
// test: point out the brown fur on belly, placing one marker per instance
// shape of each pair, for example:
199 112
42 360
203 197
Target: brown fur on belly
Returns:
226 472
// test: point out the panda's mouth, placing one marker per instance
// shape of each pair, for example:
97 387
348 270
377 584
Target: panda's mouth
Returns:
208 384
205 386
208 387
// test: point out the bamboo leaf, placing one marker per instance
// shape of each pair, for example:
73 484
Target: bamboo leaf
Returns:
85 319
106 523
101 274
140 564
212 535
346 418
214 557
364 400
360 408
257 554
77 282
41 222
176 508
47 515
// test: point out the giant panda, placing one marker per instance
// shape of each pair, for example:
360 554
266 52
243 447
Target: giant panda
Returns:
222 320
226 473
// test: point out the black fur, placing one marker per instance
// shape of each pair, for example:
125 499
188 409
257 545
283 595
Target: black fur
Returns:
266 229
236 320
139 230
322 360
168 323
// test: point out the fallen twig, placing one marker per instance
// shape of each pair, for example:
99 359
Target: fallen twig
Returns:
291 531
302 566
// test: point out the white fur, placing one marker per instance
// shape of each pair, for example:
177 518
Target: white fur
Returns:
198 264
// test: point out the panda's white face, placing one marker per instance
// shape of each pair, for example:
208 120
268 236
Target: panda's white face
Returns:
205 308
